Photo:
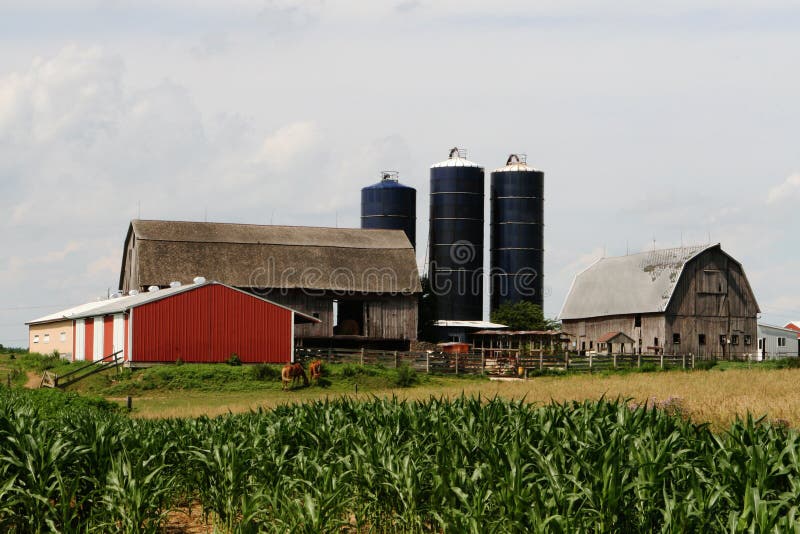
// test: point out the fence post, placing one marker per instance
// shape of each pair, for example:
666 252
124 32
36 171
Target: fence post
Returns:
456 364
692 361
684 360
615 360
541 360
428 363
590 362
662 360
483 363
395 359
362 356
566 367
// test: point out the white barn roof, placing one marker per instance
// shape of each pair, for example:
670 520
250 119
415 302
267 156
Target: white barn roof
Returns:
637 283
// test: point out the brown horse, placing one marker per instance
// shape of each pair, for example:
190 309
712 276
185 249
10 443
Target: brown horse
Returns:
315 370
291 373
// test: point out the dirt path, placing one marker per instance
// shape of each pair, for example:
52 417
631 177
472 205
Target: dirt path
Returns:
34 380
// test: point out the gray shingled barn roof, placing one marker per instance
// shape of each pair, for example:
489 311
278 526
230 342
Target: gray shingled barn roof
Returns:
637 283
245 255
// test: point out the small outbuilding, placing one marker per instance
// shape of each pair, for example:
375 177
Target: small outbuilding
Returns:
775 342
203 322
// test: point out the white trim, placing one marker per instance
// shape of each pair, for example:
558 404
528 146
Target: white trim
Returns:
292 358
97 339
130 336
118 343
80 340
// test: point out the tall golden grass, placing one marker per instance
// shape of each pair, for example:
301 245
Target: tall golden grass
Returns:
714 396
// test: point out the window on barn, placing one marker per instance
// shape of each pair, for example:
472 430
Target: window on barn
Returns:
35 339
47 338
655 342
676 339
702 339
637 321
723 339
781 341
591 345
734 339
761 344
748 340
62 336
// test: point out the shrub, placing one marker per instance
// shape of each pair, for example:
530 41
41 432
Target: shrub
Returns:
704 365
406 376
788 363
350 371
648 368
234 360
265 372
179 362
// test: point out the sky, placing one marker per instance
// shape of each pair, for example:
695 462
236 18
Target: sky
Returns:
654 122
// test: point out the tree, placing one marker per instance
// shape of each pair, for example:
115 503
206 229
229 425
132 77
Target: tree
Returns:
523 315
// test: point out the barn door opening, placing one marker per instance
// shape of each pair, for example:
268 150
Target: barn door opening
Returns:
350 318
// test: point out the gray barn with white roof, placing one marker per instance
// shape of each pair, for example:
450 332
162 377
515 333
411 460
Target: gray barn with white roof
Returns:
688 300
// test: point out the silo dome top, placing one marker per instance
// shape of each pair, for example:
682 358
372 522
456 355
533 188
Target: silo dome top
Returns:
389 180
457 158
516 163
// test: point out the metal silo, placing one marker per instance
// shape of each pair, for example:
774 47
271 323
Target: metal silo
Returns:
517 233
456 238
390 205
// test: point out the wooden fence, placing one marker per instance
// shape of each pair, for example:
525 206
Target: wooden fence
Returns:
499 365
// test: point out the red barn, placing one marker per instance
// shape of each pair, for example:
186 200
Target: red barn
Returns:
206 322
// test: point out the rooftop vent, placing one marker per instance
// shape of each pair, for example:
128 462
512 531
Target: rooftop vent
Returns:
175 284
152 289
392 176
199 280
133 292
514 159
456 152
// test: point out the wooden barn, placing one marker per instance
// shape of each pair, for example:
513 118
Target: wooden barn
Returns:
362 285
689 300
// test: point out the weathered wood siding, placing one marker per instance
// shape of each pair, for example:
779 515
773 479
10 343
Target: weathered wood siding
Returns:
586 332
712 299
385 317
391 317
320 307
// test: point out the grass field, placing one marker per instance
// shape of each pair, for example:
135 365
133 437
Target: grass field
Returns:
717 396
442 454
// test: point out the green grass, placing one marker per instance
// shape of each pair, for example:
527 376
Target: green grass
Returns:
463 465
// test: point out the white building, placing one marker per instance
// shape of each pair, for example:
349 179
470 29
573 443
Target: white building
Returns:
776 342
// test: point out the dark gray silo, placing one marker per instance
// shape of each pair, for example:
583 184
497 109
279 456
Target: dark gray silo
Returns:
517 233
390 205
456 238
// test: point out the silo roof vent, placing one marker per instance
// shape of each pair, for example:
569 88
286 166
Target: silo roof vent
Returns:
517 158
516 163
457 157
392 176
152 289
175 284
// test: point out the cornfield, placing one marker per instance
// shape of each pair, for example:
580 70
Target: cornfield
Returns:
466 465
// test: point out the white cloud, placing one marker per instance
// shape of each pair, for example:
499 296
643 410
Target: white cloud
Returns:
787 190
290 145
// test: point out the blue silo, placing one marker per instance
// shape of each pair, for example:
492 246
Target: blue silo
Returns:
456 238
390 205
517 233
